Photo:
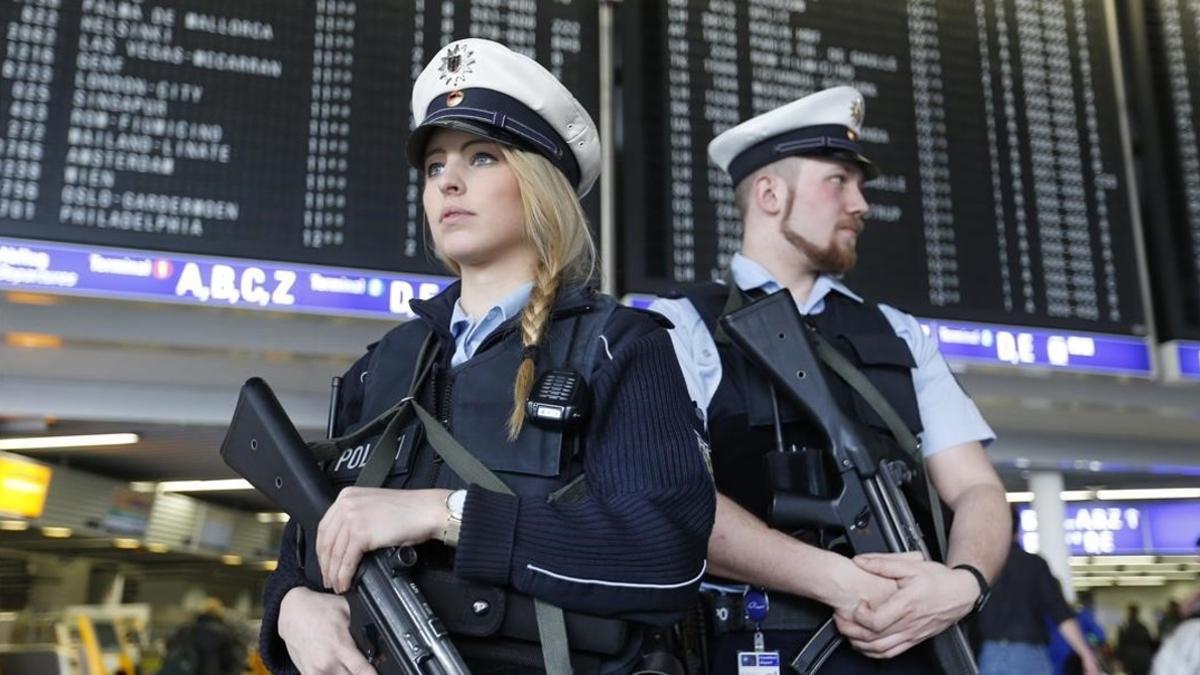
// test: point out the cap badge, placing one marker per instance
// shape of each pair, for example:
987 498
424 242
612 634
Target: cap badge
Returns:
455 97
856 111
456 65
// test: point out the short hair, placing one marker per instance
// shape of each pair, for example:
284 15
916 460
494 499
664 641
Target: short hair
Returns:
787 168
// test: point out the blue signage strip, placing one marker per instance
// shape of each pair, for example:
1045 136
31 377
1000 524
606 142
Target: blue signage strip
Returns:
1187 359
1028 347
1042 348
1167 527
190 279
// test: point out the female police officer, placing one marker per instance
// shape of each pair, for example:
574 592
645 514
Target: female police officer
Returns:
610 516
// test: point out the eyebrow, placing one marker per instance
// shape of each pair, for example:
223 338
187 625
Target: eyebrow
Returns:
436 149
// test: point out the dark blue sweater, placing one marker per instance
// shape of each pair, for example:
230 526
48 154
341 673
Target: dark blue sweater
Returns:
633 548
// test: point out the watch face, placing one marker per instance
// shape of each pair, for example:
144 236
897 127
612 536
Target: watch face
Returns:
455 503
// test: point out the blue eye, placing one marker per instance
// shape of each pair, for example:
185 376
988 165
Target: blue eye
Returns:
483 159
433 168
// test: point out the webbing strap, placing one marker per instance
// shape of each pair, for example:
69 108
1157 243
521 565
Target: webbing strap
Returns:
874 398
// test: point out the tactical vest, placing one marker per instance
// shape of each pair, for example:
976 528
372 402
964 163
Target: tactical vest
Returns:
741 415
473 400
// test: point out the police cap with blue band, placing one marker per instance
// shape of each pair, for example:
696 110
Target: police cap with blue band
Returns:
484 88
825 124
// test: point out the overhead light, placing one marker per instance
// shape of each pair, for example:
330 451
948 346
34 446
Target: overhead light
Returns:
272 517
56 532
231 559
1141 581
1018 497
14 525
27 340
81 441
1123 559
38 299
157 547
270 565
126 543
1065 495
1150 493
204 485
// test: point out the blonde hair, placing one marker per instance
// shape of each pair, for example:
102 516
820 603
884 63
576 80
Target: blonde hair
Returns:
557 231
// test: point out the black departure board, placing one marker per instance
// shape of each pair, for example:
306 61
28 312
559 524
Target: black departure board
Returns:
253 129
1165 72
1004 194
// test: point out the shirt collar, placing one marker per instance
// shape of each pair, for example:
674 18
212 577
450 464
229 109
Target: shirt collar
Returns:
508 307
749 275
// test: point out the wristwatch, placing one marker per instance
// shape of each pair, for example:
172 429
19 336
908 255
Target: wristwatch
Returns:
454 506
985 591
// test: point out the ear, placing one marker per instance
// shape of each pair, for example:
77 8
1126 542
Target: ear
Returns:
769 193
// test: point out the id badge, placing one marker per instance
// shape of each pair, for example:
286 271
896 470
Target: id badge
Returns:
758 663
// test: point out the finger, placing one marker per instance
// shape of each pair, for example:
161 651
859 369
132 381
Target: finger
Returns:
853 631
327 531
883 646
892 566
900 649
353 660
350 557
883 619
321 547
337 549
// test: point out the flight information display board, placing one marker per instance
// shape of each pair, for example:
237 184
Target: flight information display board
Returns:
260 130
1165 72
1004 195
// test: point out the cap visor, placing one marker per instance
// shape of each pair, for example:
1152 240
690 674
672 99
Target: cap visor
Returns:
420 136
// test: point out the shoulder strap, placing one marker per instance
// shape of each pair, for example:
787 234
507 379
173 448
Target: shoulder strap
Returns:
552 626
909 443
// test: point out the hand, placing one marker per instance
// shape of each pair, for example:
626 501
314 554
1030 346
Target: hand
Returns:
1090 665
365 519
316 629
851 586
931 598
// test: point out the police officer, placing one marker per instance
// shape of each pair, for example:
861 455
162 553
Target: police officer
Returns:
611 513
798 171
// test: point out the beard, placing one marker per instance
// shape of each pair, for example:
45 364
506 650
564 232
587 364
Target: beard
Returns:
836 258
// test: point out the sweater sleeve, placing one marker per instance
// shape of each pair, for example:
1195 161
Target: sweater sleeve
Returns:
287 575
634 547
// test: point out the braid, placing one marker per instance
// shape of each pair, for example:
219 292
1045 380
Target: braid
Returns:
534 320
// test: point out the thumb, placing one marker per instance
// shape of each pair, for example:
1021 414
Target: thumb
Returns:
890 566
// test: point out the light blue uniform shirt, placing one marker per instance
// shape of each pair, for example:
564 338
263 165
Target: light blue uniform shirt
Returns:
948 415
469 334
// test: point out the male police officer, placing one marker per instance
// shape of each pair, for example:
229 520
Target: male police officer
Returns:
798 172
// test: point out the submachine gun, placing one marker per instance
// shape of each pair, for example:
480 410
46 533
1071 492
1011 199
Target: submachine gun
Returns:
390 620
870 509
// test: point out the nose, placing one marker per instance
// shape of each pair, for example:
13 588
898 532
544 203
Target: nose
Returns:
856 202
450 180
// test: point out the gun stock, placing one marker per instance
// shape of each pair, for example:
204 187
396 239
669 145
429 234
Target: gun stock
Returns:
266 450
390 620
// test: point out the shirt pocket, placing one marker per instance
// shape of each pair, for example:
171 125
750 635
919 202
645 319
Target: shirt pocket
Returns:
888 363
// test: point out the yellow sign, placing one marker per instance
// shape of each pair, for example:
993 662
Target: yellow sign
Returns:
23 486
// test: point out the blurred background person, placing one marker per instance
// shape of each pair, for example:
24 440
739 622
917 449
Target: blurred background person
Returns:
1011 623
1135 645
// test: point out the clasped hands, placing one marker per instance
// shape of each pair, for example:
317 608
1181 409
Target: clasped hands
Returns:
897 600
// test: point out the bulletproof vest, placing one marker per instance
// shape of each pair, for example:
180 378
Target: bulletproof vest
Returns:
741 415
473 401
